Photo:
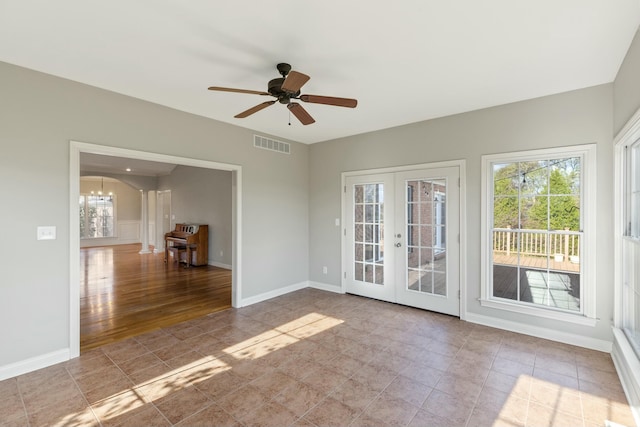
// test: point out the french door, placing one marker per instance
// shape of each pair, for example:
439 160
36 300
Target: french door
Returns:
402 237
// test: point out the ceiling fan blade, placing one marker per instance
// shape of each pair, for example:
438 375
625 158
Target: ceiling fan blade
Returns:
255 109
330 100
229 89
294 81
300 113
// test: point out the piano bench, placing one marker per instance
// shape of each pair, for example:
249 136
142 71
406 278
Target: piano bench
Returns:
176 253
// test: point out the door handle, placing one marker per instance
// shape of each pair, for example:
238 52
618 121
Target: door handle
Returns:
398 244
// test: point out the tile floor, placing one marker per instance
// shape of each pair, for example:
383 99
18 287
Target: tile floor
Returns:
312 358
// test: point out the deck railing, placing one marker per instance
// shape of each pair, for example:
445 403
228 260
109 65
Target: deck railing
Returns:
540 243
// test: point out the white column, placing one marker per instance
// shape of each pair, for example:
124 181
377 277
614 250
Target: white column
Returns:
145 223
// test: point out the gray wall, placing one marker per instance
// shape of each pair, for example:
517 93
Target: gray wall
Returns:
578 117
39 114
626 88
203 196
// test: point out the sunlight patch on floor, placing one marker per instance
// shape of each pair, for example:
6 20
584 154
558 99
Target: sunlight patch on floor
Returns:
197 371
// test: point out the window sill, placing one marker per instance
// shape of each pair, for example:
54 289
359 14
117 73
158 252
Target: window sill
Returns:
577 318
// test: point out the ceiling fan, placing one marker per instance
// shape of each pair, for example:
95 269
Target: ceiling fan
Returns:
285 89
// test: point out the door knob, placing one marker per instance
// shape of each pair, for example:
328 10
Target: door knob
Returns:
398 244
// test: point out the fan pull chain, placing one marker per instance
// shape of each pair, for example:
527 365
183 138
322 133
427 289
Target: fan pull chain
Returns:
289 117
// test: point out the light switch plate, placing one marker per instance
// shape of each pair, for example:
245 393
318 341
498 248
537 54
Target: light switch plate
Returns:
47 232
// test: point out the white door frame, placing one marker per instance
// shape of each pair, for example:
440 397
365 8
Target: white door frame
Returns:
76 148
461 164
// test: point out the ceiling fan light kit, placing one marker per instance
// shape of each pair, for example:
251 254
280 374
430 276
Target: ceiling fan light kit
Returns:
285 89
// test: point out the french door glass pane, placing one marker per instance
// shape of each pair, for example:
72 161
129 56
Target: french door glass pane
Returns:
368 233
426 236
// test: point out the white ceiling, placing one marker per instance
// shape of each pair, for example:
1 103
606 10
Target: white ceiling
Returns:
405 61
92 163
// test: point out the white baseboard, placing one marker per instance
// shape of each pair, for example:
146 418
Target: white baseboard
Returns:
628 368
34 363
219 264
326 287
536 331
272 294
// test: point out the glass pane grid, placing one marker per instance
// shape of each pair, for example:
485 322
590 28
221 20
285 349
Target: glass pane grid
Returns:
537 232
426 236
368 233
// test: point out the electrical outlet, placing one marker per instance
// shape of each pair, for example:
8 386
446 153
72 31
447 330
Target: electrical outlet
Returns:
324 270
221 253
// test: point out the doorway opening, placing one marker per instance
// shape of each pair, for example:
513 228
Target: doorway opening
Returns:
78 148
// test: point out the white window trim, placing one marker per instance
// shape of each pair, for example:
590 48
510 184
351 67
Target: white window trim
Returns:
589 180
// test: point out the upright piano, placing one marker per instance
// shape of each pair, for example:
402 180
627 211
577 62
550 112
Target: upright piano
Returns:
195 239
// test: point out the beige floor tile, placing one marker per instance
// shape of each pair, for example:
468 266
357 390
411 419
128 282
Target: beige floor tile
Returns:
355 395
299 398
366 420
178 406
465 388
511 367
118 405
507 406
373 377
352 360
426 375
86 363
553 364
391 410
516 353
212 415
11 407
483 417
109 388
518 386
343 364
555 378
147 415
273 383
220 385
139 363
540 416
554 396
272 414
427 419
96 379
449 406
64 416
599 410
411 391
300 367
330 412
50 394
468 369
324 379
242 402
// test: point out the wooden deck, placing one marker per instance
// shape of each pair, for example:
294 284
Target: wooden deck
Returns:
553 288
124 293
537 262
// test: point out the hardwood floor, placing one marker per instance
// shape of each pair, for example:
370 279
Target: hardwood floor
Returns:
123 293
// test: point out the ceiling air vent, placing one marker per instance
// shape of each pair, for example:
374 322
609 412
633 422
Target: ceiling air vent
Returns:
271 144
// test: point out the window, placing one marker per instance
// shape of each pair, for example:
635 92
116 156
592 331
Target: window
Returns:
97 216
535 234
631 245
